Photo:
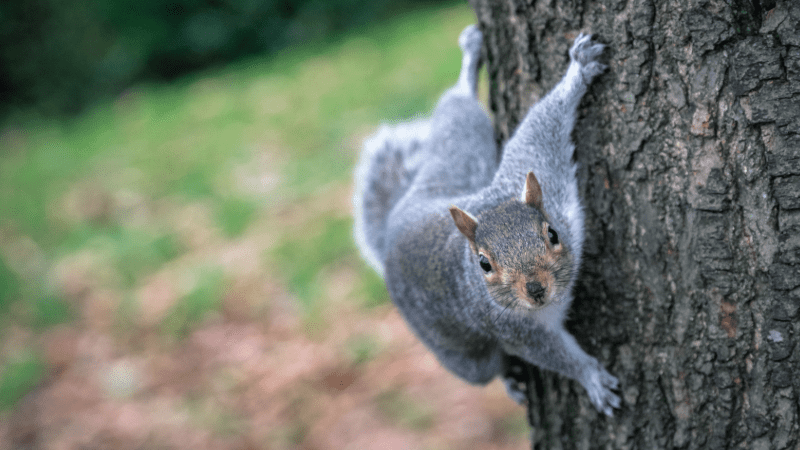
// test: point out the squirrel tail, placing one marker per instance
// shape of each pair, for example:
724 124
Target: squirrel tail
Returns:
389 161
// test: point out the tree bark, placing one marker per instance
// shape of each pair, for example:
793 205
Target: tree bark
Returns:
689 148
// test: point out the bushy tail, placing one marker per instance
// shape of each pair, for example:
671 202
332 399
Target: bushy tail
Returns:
389 161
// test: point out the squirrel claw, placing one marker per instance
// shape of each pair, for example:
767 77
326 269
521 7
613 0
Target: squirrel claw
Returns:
585 53
607 403
599 386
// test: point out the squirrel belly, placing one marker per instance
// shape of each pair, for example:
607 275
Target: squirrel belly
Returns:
481 256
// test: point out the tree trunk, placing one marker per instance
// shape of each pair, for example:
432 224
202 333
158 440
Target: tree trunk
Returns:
689 147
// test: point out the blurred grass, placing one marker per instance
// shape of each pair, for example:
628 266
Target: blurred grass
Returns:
361 348
302 257
9 286
134 253
18 376
184 137
192 308
399 408
265 143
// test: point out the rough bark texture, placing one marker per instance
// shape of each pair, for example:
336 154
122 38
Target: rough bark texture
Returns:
690 154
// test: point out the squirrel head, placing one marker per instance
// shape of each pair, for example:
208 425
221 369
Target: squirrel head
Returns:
517 250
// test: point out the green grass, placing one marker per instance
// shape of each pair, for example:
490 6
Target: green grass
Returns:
304 105
48 309
206 414
18 376
302 257
135 253
204 299
9 286
399 409
513 425
373 290
233 215
362 348
293 123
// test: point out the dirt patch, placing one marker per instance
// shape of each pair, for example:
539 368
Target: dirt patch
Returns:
237 385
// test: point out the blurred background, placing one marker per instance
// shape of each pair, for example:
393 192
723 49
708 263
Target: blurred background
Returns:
176 262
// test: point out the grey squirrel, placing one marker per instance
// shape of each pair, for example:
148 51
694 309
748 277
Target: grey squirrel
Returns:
480 255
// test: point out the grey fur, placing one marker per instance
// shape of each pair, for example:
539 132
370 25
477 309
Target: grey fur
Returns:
404 188
388 164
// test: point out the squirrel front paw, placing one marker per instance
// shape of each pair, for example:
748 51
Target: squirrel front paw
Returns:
585 53
599 383
471 40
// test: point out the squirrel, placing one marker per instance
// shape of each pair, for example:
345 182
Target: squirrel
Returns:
480 249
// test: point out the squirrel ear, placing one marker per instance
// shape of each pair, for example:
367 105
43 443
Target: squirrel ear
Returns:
465 222
532 192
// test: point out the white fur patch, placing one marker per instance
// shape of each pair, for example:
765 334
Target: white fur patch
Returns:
552 316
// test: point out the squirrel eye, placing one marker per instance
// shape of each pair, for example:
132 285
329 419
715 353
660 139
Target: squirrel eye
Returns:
484 262
551 233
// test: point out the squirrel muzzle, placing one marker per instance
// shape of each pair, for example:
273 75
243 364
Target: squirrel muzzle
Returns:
535 290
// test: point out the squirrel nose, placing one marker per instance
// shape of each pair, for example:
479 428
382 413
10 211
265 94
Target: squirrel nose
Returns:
535 289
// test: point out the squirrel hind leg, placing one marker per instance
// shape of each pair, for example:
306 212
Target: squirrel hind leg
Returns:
470 41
